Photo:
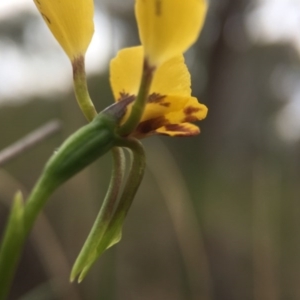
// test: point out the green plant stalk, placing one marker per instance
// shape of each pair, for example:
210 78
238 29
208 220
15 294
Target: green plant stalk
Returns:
141 100
9 250
77 152
81 90
105 213
18 228
112 234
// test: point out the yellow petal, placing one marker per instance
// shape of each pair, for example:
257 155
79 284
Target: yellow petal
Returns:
71 23
169 112
163 105
169 102
183 129
192 111
126 71
175 109
171 78
168 27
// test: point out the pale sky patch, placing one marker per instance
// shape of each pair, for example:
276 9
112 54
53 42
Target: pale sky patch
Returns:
44 67
277 22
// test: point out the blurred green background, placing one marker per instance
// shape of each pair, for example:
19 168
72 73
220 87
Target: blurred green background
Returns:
217 216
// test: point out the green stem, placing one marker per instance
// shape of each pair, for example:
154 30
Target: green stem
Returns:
37 199
11 248
81 90
140 102
77 152
12 240
89 249
113 230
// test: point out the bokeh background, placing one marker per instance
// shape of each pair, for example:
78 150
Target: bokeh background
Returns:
217 216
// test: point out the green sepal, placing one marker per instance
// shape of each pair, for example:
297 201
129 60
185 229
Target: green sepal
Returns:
12 240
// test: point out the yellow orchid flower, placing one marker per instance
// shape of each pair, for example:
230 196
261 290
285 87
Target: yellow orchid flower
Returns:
170 107
167 28
71 23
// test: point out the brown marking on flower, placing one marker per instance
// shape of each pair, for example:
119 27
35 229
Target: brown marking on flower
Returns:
155 98
165 104
148 126
191 109
190 119
174 127
125 96
46 18
38 2
158 8
181 129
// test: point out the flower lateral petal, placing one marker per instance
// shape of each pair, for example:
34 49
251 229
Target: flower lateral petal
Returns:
71 23
126 71
191 112
168 113
171 78
175 109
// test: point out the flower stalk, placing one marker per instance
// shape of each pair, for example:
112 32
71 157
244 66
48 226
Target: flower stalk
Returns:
81 90
140 101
